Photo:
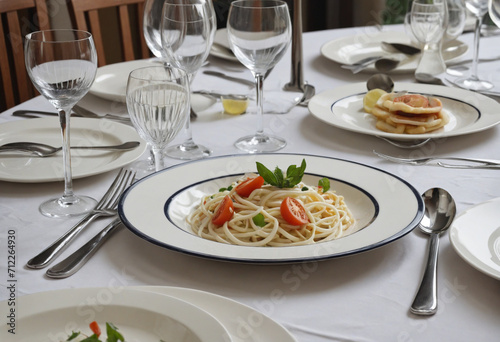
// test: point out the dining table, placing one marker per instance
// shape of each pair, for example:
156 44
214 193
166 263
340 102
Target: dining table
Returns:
359 296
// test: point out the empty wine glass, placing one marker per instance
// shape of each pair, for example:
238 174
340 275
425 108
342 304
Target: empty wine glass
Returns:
472 82
456 19
62 65
259 33
494 11
187 33
151 26
429 20
158 103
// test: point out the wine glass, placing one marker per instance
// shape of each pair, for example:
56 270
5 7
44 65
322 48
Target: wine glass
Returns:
428 21
151 26
187 33
158 103
62 65
472 82
456 20
494 11
259 33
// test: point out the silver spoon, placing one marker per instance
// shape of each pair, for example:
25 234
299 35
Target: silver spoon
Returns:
43 150
440 211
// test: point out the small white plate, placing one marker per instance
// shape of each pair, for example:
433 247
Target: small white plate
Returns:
84 132
221 47
469 112
475 236
138 315
351 49
235 317
160 216
111 83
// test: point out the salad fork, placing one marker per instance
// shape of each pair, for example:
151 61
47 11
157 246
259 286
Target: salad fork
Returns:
476 163
105 208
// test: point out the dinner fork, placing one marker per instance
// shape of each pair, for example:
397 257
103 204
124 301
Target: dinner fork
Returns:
105 208
479 163
89 114
75 261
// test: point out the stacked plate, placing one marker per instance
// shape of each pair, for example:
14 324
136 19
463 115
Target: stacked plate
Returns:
139 313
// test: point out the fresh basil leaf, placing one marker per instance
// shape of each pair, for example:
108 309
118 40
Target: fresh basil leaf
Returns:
267 174
113 334
92 338
279 177
74 335
324 183
305 188
259 220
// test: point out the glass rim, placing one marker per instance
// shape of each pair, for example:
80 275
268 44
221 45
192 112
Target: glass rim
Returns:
183 73
30 36
262 4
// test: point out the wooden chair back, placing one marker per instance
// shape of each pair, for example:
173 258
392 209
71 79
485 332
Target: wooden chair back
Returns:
17 18
86 16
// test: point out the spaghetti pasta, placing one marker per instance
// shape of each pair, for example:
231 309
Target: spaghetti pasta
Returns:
257 220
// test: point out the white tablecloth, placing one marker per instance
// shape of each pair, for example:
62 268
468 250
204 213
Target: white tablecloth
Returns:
363 297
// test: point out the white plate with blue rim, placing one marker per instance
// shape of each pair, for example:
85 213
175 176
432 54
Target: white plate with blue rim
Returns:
155 208
469 112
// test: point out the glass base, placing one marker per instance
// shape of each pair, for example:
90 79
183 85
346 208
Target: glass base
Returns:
185 151
260 143
61 207
473 83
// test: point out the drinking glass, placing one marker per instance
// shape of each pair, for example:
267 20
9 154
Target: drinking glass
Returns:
62 65
494 11
429 20
158 104
151 26
187 33
472 82
259 33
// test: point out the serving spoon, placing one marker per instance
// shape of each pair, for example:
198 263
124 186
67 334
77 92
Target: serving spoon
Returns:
440 210
43 150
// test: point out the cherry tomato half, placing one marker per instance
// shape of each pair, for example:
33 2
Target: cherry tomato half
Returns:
95 328
245 188
293 212
224 211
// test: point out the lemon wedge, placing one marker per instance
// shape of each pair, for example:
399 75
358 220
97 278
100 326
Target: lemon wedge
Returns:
371 98
234 107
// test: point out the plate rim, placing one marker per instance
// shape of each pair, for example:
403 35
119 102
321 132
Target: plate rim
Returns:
402 232
477 264
319 111
125 158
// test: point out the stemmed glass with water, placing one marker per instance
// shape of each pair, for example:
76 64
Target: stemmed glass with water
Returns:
62 65
187 33
472 82
259 33
429 20
158 102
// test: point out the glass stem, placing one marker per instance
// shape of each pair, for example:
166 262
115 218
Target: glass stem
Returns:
158 160
189 132
259 83
477 35
64 119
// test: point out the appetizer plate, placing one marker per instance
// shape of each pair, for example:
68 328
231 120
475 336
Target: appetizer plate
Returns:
138 315
469 112
111 83
232 315
475 236
155 208
24 168
351 49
